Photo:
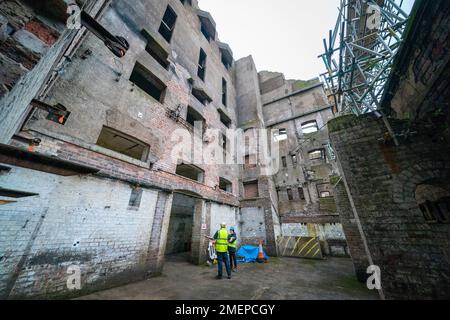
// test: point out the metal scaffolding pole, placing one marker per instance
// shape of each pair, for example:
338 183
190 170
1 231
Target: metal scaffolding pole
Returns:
360 51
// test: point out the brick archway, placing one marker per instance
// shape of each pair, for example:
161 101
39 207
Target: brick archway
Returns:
405 184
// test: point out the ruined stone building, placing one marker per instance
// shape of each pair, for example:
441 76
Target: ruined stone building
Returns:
87 175
393 194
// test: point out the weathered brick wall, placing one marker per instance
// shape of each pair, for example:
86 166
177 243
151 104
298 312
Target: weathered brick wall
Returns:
382 180
419 87
31 45
352 234
83 221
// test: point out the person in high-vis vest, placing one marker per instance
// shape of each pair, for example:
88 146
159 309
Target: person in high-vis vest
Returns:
232 244
221 239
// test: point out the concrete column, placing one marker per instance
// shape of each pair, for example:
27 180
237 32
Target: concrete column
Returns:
202 214
352 234
158 240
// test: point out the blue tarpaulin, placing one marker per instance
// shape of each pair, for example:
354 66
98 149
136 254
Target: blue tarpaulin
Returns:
249 254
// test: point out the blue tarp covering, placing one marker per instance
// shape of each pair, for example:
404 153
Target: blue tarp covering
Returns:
249 254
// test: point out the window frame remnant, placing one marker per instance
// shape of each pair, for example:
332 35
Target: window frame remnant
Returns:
202 61
110 146
224 92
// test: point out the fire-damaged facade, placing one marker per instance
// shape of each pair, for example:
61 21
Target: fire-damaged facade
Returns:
88 116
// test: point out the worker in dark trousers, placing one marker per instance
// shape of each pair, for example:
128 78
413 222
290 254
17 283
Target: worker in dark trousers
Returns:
221 239
232 244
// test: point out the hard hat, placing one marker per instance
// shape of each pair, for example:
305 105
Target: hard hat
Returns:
232 229
223 225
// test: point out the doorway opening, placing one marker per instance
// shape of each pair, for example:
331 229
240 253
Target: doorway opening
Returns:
179 236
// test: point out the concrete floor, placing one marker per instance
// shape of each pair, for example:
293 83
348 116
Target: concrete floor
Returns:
280 279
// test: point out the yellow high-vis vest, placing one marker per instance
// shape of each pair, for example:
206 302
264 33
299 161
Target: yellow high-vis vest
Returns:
232 244
222 241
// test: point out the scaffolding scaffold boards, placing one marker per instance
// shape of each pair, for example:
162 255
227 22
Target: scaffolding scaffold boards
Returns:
360 51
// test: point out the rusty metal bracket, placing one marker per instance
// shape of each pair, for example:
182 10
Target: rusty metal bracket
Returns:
116 44
57 113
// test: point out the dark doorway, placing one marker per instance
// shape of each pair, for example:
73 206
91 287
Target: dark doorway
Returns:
179 236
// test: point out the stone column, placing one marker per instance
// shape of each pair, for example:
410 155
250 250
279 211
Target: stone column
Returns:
158 239
354 240
202 214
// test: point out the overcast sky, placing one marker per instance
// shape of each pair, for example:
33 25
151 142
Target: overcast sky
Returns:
281 35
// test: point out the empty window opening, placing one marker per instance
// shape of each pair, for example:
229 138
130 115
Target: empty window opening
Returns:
201 95
226 61
310 127
205 32
250 162
190 172
168 24
135 198
290 194
251 190
181 226
284 162
225 185
434 203
224 92
224 144
317 154
148 82
202 65
294 160
224 119
193 116
281 135
325 194
119 142
301 194
156 51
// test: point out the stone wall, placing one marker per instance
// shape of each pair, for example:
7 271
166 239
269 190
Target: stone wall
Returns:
31 45
352 234
383 179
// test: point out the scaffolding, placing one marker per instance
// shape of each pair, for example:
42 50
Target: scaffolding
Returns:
360 51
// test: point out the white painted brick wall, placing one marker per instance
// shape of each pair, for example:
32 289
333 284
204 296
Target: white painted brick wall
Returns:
223 213
88 210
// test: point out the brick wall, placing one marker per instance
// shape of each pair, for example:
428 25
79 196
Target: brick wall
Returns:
83 221
352 235
383 179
